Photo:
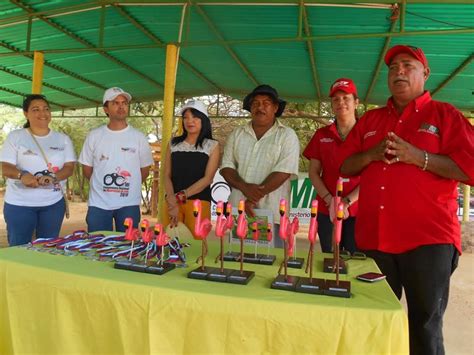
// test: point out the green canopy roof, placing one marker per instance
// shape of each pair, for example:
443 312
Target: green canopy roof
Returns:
299 47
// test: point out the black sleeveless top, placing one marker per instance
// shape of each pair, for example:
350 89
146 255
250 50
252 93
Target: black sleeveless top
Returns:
188 165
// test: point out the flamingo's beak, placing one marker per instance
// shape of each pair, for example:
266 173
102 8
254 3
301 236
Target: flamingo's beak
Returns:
228 209
157 229
241 206
282 209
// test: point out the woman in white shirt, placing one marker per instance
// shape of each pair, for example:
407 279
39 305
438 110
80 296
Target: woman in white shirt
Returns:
36 162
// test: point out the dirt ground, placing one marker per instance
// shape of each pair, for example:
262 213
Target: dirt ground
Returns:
458 320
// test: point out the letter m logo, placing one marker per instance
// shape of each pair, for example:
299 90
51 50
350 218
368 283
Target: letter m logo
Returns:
302 193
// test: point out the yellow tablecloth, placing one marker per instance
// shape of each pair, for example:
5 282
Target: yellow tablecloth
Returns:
59 304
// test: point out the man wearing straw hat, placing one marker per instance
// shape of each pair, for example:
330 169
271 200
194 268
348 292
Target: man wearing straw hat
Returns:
260 157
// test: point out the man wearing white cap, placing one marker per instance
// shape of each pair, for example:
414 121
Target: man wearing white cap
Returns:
116 158
410 155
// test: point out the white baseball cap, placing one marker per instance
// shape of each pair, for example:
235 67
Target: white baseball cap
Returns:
112 93
195 104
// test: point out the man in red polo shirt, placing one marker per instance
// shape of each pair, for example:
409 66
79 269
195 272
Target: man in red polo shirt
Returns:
410 155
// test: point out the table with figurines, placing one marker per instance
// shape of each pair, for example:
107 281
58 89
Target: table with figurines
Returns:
68 295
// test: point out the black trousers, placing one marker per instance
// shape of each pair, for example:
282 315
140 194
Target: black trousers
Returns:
325 234
424 274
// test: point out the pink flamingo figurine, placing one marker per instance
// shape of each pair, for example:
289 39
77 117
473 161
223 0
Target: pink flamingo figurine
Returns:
147 236
255 235
312 236
283 220
284 224
161 240
242 229
229 218
242 226
287 234
336 201
337 198
221 220
292 230
229 221
202 228
131 234
313 222
337 237
269 237
224 222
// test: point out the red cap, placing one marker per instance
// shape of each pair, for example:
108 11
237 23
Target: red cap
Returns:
415 52
343 84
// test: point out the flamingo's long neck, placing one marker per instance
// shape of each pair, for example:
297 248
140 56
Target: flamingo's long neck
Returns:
197 224
283 225
312 229
130 231
220 225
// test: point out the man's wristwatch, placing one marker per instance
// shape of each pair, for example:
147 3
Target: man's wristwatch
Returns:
21 173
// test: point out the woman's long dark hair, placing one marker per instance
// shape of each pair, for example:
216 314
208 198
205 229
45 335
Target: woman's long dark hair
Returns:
27 103
206 129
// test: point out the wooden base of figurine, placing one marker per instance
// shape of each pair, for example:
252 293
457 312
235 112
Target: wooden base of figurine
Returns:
241 278
282 282
250 258
228 275
313 286
295 263
338 289
220 275
156 269
201 273
328 266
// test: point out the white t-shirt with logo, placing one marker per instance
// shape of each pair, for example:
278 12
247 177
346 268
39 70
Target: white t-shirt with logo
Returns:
116 158
20 149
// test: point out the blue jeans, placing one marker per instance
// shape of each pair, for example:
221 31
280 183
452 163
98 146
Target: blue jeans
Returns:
99 219
22 221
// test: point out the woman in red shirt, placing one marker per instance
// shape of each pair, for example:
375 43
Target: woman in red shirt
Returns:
324 170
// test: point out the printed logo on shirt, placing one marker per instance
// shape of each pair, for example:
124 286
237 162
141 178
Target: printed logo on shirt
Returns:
103 157
117 182
59 149
29 152
370 134
326 140
429 128
128 150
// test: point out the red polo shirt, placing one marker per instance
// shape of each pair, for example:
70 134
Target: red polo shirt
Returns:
402 207
324 147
